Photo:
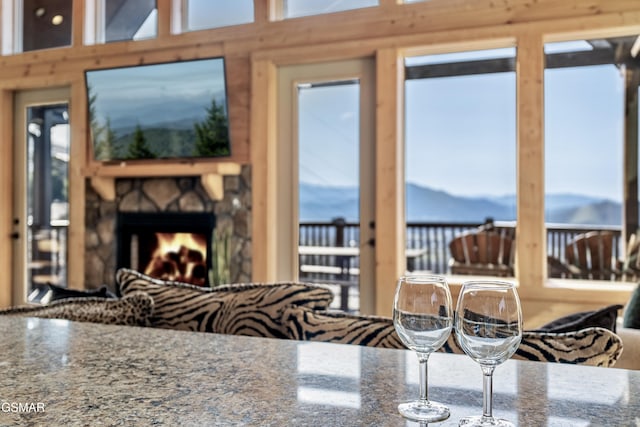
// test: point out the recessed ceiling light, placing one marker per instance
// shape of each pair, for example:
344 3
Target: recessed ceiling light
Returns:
39 12
57 20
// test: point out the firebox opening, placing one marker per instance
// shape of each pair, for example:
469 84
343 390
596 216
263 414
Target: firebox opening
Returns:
169 246
178 256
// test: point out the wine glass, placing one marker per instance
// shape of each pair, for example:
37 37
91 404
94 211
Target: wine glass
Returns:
488 326
422 316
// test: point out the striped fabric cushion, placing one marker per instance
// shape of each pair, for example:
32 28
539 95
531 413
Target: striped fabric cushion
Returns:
591 346
253 309
134 309
308 325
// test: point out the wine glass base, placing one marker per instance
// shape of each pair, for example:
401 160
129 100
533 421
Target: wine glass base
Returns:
420 410
481 421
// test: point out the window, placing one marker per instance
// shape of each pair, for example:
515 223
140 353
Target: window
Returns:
44 25
584 143
460 149
120 20
203 14
297 8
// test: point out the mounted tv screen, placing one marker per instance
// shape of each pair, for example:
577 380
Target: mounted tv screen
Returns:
160 111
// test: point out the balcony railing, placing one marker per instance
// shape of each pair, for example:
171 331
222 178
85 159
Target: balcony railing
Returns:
433 238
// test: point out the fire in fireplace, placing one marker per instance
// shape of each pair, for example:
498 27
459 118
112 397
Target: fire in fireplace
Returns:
170 246
179 256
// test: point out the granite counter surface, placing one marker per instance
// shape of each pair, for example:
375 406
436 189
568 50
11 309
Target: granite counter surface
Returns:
80 374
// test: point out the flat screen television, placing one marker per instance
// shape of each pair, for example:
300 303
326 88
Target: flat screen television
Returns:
172 110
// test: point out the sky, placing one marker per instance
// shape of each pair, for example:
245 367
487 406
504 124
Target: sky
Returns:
328 142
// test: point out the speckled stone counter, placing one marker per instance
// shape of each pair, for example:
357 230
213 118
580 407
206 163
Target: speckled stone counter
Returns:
68 374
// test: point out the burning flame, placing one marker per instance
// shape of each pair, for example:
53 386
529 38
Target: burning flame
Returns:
179 256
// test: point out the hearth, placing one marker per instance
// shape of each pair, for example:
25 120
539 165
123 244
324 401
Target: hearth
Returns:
166 245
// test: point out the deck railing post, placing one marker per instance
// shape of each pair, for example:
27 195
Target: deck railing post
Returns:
341 261
339 224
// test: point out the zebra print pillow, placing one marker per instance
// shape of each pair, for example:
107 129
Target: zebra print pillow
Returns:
591 346
303 324
252 309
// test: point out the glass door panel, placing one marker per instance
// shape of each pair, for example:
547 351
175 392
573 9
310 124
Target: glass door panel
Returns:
329 196
41 194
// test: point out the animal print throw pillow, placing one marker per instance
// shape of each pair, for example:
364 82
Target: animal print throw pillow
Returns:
591 346
252 309
337 327
133 310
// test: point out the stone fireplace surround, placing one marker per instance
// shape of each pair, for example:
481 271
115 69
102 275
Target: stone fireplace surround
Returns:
166 194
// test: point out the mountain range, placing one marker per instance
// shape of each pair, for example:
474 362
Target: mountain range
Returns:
323 203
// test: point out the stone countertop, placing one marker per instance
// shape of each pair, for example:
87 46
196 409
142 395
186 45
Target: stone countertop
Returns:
67 374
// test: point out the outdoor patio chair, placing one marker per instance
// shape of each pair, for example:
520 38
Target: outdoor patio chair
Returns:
591 256
483 253
631 262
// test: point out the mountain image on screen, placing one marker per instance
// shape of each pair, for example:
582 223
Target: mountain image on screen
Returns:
207 138
159 111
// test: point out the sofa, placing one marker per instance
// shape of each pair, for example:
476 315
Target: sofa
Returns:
300 311
630 357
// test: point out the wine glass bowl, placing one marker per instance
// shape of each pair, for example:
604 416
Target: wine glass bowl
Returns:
488 327
422 317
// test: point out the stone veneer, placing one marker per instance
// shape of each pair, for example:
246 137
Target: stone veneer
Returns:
167 194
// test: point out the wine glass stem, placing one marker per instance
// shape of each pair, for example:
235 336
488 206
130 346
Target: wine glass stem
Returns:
423 358
487 391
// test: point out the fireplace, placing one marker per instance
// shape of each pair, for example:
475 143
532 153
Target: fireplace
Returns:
154 196
166 245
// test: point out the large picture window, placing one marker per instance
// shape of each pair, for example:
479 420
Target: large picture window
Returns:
460 153
204 14
584 146
297 8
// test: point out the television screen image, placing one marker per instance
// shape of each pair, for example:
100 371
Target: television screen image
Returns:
159 111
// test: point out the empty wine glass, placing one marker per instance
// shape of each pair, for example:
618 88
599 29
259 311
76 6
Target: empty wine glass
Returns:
422 316
488 326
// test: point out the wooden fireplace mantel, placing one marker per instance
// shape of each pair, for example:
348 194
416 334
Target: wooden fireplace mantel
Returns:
103 176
